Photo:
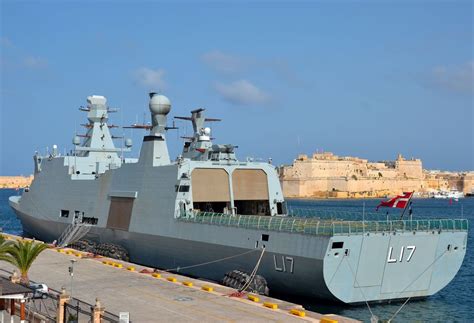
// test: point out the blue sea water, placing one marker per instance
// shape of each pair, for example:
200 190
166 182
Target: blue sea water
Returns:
455 303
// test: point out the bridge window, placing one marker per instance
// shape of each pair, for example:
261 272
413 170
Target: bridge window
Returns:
182 188
64 213
337 245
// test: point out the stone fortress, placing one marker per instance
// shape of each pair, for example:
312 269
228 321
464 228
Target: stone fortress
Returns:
15 181
326 175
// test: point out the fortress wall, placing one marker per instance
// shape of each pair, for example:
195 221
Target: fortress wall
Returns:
328 175
15 181
468 183
410 168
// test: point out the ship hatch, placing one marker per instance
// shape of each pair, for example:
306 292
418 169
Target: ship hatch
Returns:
250 188
210 189
120 213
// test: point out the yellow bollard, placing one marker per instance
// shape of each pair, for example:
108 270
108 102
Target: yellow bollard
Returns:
207 288
118 265
299 313
253 298
156 275
171 279
131 268
273 306
189 284
327 320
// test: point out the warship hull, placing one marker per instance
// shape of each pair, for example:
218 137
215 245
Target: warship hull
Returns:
361 276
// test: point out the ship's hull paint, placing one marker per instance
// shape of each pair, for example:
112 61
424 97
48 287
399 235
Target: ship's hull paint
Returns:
330 278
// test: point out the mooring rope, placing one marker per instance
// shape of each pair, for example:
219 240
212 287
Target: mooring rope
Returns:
361 290
254 272
412 282
177 269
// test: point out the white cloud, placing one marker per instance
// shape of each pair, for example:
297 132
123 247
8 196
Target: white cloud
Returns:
242 92
225 63
34 62
150 78
459 79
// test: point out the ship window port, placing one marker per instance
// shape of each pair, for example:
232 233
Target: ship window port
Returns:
182 188
64 213
337 245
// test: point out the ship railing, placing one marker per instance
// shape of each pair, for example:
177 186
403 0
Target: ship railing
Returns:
336 214
316 226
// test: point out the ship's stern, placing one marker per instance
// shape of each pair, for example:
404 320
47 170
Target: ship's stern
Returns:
378 266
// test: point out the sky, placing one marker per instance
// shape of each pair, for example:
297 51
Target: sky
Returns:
358 78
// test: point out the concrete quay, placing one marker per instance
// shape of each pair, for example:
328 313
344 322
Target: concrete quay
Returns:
121 287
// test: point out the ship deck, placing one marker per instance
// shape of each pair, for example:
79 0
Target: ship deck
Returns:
323 225
149 299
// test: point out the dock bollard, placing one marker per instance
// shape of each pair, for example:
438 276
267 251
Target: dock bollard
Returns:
273 306
253 298
299 313
156 275
207 288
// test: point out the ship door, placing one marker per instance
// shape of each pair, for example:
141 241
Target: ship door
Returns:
250 188
210 189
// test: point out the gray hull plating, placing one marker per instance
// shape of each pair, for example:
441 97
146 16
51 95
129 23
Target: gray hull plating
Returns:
362 274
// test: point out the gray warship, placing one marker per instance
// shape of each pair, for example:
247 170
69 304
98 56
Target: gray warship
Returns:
207 213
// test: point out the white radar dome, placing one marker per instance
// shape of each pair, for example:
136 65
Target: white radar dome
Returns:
159 104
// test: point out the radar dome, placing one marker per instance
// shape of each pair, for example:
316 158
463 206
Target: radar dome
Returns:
159 104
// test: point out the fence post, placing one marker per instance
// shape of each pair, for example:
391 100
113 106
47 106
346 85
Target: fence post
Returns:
97 311
63 298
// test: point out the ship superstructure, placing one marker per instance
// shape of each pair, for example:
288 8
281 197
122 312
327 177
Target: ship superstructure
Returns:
207 205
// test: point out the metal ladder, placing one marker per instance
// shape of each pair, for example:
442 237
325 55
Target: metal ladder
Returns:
73 232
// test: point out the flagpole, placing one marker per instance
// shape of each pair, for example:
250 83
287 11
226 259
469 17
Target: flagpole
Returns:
406 205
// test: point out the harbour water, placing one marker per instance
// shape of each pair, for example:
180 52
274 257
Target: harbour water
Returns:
453 304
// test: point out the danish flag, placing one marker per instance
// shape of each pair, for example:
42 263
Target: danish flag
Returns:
399 201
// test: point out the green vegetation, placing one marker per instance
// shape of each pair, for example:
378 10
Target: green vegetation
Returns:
21 254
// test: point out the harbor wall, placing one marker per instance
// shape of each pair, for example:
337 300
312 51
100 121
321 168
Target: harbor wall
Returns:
325 175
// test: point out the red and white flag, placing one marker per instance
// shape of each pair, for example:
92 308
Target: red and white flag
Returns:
399 201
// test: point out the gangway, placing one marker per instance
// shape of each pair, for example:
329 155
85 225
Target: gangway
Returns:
73 232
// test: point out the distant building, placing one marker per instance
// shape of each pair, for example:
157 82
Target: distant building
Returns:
15 181
329 175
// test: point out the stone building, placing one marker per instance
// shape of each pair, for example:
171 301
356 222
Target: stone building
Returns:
329 175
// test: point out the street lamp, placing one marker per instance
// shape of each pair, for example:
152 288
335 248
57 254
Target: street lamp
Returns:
71 273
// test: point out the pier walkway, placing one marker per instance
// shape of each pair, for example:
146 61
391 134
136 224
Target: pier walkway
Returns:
152 299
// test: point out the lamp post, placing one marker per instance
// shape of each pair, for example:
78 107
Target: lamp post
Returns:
71 273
